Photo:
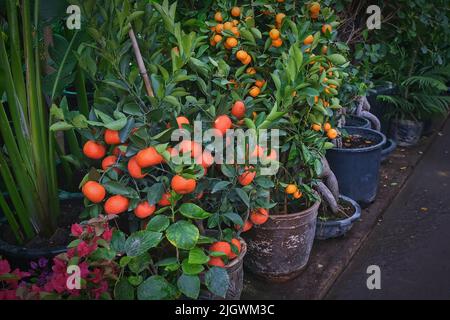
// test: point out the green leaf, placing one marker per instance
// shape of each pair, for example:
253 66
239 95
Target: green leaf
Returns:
140 263
118 241
140 242
193 211
337 59
219 186
217 281
123 290
155 193
228 171
156 288
235 218
191 269
197 256
61 126
114 187
158 223
183 235
244 196
189 285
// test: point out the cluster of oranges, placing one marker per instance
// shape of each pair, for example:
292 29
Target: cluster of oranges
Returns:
314 10
293 190
221 26
257 217
331 133
224 250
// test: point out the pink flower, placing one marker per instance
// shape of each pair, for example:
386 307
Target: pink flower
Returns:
59 266
107 235
76 230
70 253
97 275
8 295
97 292
4 267
83 249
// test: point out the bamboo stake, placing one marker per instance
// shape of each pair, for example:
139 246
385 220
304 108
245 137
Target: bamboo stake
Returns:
140 62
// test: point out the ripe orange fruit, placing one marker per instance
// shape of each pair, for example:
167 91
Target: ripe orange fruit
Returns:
212 42
165 200
228 25
238 109
260 83
316 127
247 177
327 127
247 61
112 137
223 123
219 28
241 55
235 22
327 27
116 205
183 186
206 159
237 244
216 262
316 99
144 210
218 16
94 191
308 40
94 150
217 38
277 43
247 226
221 246
260 216
118 152
291 189
236 32
279 18
181 121
314 8
148 157
332 134
235 12
274 34
254 91
108 162
251 71
134 169
298 194
231 42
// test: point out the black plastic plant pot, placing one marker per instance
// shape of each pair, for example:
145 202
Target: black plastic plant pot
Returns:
357 170
338 228
406 133
356 121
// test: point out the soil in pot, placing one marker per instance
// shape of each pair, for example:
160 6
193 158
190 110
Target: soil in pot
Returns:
356 141
346 210
70 212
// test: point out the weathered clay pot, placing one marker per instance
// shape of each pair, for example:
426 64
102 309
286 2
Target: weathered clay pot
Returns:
235 272
279 249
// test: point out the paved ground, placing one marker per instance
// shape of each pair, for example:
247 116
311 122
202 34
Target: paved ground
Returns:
411 245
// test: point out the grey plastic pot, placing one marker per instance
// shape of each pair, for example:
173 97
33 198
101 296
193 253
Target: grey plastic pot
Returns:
356 121
334 229
388 148
357 170
279 249
406 133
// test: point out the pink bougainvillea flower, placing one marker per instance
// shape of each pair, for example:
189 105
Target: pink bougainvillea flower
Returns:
83 249
107 235
97 292
4 267
76 230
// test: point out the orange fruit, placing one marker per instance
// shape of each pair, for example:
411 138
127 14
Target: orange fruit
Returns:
277 43
241 55
254 91
314 8
248 60
108 162
181 121
316 127
217 38
216 262
144 210
308 40
279 18
260 216
116 205
235 12
298 194
291 189
228 25
235 22
251 71
236 32
237 244
212 43
327 27
94 191
223 123
247 177
165 200
222 247
183 186
94 150
327 127
316 99
219 28
206 160
231 42
118 152
332 134
112 137
238 109
260 83
274 34
134 169
218 16
148 157
247 226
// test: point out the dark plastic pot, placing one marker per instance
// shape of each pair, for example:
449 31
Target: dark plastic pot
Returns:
279 249
406 133
379 108
356 121
388 148
235 271
334 229
357 170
